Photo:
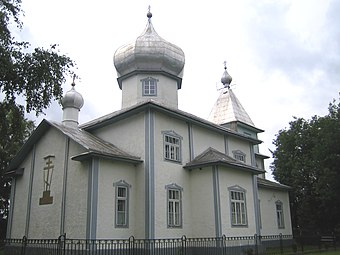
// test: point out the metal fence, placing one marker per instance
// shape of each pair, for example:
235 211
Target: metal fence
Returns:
247 245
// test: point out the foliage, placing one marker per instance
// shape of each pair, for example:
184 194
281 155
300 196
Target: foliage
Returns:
307 158
34 75
15 129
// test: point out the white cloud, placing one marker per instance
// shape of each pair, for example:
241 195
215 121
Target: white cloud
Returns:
283 55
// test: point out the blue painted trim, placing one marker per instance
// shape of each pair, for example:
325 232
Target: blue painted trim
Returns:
29 194
252 155
63 197
217 202
191 142
11 208
256 205
92 199
226 145
149 176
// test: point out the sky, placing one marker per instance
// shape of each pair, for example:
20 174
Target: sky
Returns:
283 55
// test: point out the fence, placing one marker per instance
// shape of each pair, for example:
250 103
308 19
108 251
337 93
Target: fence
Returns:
247 245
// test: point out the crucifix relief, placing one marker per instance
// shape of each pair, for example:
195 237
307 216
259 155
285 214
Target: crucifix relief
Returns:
47 173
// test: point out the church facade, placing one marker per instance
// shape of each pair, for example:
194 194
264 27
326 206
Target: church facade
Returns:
148 170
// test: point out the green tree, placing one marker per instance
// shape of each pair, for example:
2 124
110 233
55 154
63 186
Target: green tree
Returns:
307 158
15 129
34 75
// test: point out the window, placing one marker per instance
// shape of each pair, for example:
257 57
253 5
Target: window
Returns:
279 214
239 155
174 208
149 86
172 146
122 204
238 206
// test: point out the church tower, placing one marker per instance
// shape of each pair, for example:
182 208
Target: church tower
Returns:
229 112
150 68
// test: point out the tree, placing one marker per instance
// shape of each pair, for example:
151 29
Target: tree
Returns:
307 158
34 75
15 129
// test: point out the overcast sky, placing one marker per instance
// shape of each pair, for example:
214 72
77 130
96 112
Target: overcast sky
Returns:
283 56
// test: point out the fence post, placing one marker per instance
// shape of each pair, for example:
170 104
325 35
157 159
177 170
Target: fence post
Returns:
23 247
184 239
256 245
131 244
224 244
281 243
61 244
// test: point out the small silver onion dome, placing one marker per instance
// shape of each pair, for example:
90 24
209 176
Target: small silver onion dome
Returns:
72 99
226 78
149 52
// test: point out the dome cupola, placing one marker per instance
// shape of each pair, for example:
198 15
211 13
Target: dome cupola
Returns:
73 99
72 102
149 53
226 78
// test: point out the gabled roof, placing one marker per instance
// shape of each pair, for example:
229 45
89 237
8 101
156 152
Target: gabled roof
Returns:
93 145
176 113
271 185
228 109
212 157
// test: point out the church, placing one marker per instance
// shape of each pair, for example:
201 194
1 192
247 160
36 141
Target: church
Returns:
148 170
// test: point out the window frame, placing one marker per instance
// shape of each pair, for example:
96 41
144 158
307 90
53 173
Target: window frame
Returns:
126 199
146 86
243 215
279 215
238 154
167 147
171 219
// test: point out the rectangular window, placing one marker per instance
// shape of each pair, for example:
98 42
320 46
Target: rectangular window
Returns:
174 208
172 148
238 208
121 206
239 157
149 87
279 215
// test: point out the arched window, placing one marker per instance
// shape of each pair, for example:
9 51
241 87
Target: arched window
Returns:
174 205
279 214
238 206
121 204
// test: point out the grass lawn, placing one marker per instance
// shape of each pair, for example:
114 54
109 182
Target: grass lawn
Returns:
337 252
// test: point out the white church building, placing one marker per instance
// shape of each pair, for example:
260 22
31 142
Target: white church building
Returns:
148 170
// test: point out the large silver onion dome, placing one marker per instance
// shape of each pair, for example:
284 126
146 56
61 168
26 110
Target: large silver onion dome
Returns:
72 99
149 52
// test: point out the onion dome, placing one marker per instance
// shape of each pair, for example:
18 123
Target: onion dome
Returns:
149 52
72 99
226 78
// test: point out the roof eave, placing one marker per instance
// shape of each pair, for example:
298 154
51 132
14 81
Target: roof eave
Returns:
174 112
28 145
223 163
125 76
91 154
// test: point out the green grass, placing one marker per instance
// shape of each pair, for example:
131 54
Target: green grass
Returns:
337 252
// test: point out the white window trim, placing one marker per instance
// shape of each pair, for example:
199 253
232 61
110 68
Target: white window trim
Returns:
280 215
237 188
117 185
144 81
239 153
177 188
174 135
